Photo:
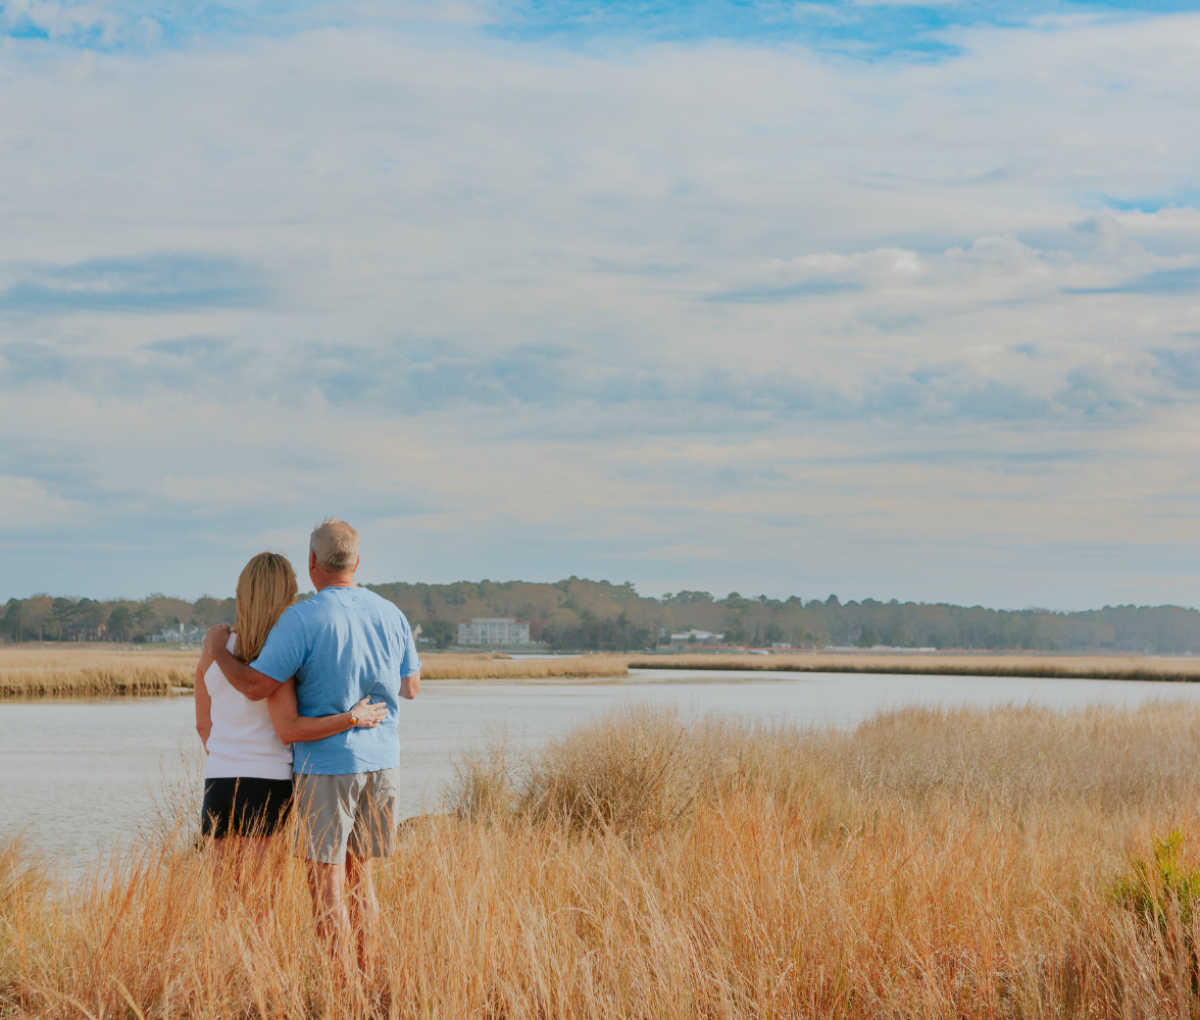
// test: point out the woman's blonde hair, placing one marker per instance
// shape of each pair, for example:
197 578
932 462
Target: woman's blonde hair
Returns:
265 589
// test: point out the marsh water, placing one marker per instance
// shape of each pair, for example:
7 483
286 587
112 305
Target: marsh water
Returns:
76 775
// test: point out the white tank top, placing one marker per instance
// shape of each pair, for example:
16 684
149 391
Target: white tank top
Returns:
242 741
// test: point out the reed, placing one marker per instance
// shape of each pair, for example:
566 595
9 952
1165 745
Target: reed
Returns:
102 671
97 671
450 666
1094 667
929 864
92 671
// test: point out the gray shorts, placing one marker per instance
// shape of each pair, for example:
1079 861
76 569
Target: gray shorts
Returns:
355 812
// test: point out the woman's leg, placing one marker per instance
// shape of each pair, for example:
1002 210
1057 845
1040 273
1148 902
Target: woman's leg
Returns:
248 868
243 817
216 814
227 858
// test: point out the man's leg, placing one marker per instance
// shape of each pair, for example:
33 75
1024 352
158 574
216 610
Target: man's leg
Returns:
326 882
373 835
364 908
324 819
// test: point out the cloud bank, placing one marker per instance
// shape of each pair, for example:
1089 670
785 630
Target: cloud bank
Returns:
745 297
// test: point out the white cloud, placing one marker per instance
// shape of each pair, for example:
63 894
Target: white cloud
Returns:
497 295
26 505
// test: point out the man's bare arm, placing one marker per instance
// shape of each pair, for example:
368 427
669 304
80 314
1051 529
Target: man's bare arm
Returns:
254 685
410 685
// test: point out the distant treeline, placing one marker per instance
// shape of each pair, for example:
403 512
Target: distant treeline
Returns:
598 615
44 618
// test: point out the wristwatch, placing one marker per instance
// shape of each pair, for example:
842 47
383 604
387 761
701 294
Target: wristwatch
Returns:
353 720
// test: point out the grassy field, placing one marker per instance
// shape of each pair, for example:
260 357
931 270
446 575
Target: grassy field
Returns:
92 670
486 667
105 670
929 864
1098 667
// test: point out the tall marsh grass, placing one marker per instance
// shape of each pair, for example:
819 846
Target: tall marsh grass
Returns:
91 671
1016 664
451 666
928 864
96 671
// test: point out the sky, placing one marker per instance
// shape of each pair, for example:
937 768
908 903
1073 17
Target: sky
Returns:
877 299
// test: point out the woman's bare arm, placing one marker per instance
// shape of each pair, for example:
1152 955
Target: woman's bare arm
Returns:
203 701
290 726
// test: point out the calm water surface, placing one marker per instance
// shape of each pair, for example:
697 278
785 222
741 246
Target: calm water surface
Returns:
76 774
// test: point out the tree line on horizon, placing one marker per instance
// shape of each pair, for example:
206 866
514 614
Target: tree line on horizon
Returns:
601 616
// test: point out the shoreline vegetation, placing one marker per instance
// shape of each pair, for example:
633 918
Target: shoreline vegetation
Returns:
1014 862
90 671
451 666
65 671
100 671
1007 664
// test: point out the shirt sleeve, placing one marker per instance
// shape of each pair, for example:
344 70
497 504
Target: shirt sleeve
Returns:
284 652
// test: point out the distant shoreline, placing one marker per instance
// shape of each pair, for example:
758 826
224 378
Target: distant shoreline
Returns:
998 664
97 672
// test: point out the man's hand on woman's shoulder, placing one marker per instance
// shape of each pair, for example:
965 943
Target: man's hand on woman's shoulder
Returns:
216 638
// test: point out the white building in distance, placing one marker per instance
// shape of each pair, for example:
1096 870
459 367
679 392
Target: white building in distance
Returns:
493 631
696 637
184 634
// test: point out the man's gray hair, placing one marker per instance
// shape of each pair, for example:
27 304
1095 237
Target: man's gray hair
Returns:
335 544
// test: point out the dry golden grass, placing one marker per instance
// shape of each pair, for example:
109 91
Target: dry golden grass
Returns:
1098 667
452 666
930 864
93 670
99 671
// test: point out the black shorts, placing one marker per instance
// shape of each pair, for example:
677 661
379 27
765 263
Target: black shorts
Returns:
245 806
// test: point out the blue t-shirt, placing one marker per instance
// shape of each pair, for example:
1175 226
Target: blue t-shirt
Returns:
342 645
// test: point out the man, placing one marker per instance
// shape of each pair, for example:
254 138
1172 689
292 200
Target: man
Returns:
342 645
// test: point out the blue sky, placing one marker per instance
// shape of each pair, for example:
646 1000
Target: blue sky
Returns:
888 300
871 29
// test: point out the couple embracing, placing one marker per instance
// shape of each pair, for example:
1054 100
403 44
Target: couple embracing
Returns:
297 706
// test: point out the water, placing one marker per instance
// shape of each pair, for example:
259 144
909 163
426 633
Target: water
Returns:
76 774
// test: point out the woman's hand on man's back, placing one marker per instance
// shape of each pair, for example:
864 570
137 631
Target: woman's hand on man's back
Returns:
368 715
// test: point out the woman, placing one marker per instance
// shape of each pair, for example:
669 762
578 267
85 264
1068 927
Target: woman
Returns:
248 769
